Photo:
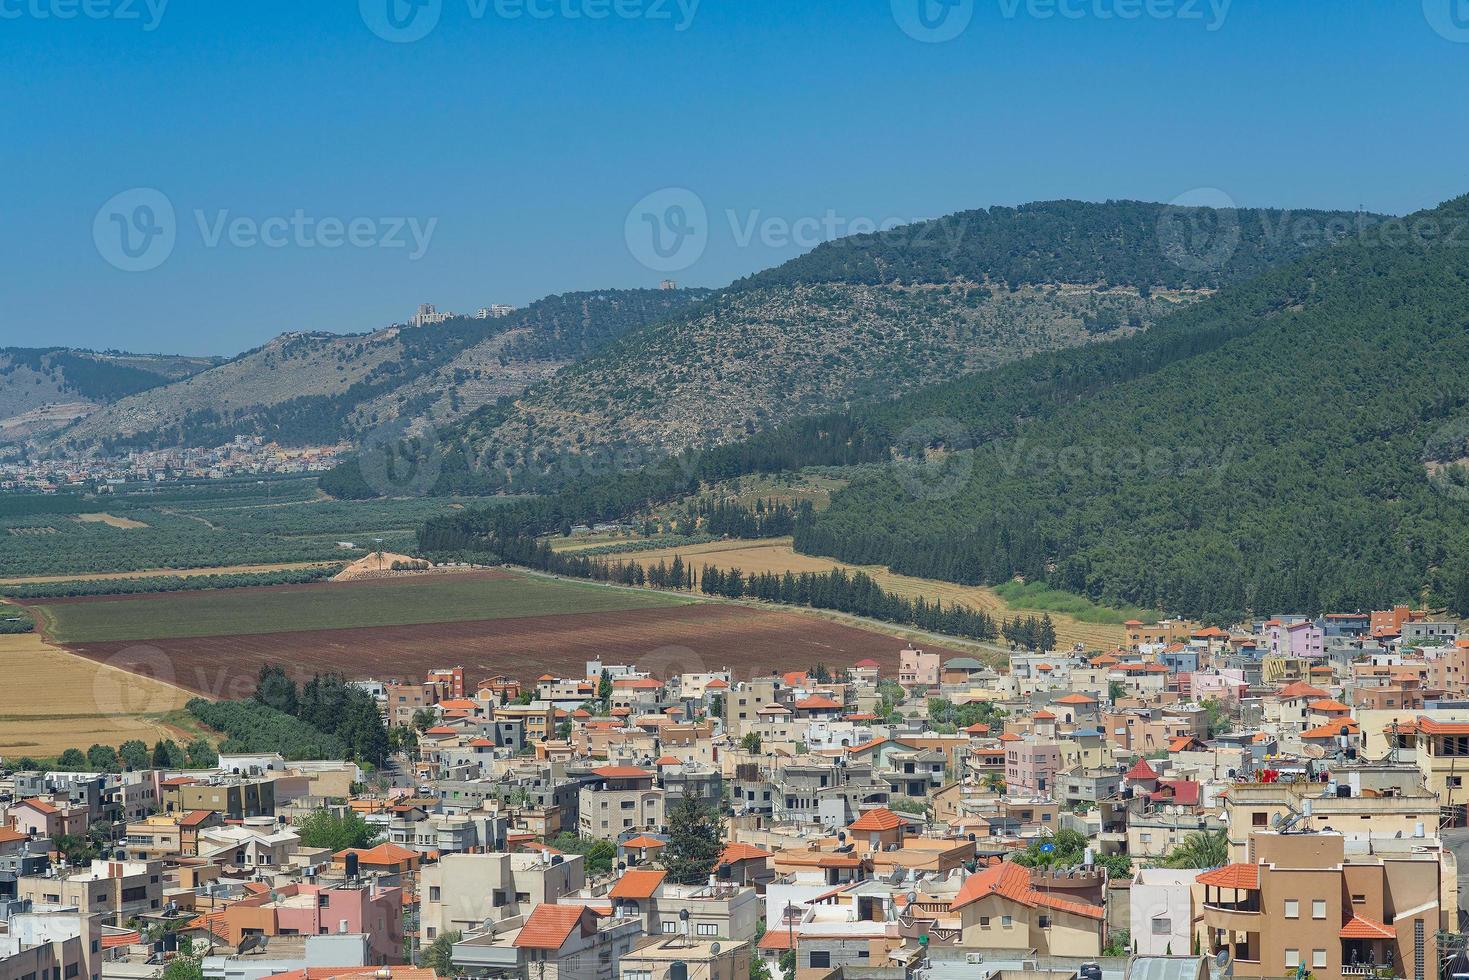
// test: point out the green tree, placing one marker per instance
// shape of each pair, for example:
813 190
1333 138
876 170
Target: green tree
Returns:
184 967
202 755
439 954
72 760
103 758
276 689
695 840
750 742
134 754
323 828
167 755
1201 849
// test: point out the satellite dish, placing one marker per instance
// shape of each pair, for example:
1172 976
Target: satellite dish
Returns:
714 949
1221 959
1275 822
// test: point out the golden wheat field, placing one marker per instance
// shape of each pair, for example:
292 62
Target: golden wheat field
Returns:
776 555
52 700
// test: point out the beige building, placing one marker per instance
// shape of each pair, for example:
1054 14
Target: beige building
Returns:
702 960
114 891
464 891
1306 905
622 799
1397 809
998 908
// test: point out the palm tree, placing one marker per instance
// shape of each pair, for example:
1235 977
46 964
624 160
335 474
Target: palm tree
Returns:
1205 849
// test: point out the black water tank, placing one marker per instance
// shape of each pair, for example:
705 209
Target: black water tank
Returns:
351 864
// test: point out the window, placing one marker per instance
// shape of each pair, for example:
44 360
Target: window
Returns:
1292 908
1006 921
432 932
637 975
1359 899
1318 908
670 928
1292 958
820 959
1145 837
433 893
1318 957
706 929
1258 819
1162 927
984 922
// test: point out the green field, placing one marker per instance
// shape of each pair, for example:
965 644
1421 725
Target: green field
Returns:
398 602
202 524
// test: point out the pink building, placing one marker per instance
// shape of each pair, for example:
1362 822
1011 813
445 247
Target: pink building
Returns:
1299 639
1031 767
918 669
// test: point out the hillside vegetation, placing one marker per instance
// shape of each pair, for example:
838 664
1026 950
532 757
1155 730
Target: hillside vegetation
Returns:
318 388
873 317
1293 443
44 388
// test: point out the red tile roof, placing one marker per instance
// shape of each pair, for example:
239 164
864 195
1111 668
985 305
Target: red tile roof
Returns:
1141 770
1341 726
1243 876
817 703
867 664
637 884
880 818
1430 726
738 851
549 926
1300 689
1009 880
1361 927
644 842
1076 699
1328 704
622 772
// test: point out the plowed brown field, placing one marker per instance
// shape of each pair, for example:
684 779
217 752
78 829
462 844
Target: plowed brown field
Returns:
697 637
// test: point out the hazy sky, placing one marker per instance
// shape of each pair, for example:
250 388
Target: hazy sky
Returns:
199 175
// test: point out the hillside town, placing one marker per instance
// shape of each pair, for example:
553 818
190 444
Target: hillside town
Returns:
1278 799
102 471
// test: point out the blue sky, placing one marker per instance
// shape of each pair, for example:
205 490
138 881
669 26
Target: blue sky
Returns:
498 157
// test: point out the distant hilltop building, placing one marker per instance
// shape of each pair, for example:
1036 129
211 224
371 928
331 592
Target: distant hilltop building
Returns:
494 311
428 315
669 284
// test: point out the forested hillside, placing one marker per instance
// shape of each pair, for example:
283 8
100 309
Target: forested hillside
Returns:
1267 450
316 388
1294 443
873 317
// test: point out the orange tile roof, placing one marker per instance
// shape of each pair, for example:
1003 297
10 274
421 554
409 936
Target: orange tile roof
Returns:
1141 770
384 853
1341 726
1009 880
717 684
1430 726
644 842
880 818
1329 704
637 884
738 851
867 664
129 938
1361 927
1076 699
1010 737
1300 689
817 703
1044 715
1242 876
549 926
622 772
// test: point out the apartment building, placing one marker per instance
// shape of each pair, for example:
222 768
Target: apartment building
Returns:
1305 905
114 891
233 799
620 801
463 891
60 944
557 942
